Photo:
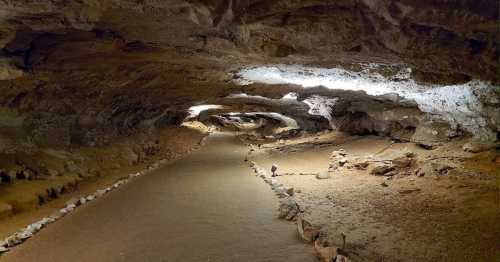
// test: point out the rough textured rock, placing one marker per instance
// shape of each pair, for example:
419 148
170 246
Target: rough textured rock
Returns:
369 102
402 162
382 169
428 34
288 209
326 251
306 230
478 146
323 175
85 72
433 168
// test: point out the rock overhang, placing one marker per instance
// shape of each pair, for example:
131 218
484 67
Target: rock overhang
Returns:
466 106
123 63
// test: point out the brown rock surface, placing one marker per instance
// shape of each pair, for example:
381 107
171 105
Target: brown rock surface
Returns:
86 72
89 88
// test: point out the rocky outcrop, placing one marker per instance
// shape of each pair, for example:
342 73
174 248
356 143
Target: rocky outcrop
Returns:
369 102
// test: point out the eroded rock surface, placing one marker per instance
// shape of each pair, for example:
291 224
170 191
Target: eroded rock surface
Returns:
87 71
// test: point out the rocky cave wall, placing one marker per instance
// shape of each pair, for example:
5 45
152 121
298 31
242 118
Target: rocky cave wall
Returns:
109 65
87 74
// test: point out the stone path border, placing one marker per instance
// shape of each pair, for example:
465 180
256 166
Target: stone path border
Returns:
27 232
290 210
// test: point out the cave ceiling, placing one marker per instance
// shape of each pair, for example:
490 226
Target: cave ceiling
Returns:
118 62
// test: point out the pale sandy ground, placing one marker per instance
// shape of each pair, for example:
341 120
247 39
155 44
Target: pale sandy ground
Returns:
178 141
453 217
205 207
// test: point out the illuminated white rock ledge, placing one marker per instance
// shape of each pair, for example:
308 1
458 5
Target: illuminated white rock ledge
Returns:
461 105
195 111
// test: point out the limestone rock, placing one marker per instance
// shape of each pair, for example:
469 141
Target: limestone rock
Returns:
323 175
343 161
381 169
306 230
402 162
433 168
24 235
326 253
288 209
56 215
73 202
361 165
341 258
478 146
410 154
391 173
274 168
341 152
13 240
100 192
70 207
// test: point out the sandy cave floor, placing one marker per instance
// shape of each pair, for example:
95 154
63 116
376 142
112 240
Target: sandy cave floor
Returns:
204 207
25 193
436 217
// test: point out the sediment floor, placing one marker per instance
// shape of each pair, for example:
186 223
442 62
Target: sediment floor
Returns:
204 207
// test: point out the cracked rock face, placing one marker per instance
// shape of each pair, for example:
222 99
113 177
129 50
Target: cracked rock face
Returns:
395 99
86 73
454 40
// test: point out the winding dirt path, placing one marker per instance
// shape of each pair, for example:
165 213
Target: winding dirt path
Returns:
205 207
